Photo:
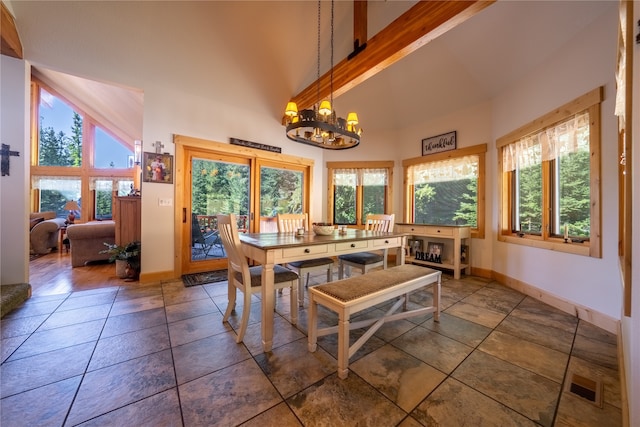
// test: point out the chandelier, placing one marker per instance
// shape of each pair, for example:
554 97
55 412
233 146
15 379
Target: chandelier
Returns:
320 125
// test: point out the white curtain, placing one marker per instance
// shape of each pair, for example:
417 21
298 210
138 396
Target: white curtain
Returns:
619 108
352 177
59 183
444 170
567 137
109 183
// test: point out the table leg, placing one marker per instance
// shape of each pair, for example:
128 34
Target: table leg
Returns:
400 251
268 305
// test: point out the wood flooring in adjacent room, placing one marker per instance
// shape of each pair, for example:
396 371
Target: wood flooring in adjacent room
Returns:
51 274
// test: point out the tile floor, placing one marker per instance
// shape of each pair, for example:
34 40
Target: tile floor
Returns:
159 355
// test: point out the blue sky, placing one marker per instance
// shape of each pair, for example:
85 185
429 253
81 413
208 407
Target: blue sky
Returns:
59 116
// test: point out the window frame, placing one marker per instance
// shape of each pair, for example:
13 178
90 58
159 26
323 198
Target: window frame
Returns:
388 208
86 171
475 150
589 102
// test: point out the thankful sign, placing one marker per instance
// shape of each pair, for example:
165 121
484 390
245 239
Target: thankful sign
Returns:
439 143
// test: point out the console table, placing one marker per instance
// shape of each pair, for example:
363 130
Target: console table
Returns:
453 237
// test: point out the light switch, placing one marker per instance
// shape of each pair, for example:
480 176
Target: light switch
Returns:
165 202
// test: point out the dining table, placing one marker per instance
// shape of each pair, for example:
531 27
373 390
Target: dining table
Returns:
269 249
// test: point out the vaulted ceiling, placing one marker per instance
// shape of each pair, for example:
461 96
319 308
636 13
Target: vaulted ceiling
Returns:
265 52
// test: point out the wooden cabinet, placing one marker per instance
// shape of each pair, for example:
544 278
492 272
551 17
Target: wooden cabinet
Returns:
127 215
454 239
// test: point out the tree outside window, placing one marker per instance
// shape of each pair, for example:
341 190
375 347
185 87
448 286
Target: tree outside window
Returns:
357 189
447 189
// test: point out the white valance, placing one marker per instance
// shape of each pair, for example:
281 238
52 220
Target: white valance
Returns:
352 177
444 170
58 183
567 137
109 184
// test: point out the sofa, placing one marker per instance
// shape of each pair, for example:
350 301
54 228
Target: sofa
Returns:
88 239
44 231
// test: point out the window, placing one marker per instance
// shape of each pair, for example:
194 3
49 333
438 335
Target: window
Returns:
357 189
60 133
447 188
111 153
104 189
74 158
549 172
55 192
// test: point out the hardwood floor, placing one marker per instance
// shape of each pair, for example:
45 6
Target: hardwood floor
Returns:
52 274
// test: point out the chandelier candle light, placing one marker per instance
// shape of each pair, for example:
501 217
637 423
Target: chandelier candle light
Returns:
320 126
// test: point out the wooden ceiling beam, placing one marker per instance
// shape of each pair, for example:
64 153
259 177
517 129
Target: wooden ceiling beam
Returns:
359 23
11 45
425 21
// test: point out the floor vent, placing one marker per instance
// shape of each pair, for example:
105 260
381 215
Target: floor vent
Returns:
587 388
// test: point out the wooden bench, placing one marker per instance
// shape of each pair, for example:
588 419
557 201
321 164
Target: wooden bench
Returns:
349 296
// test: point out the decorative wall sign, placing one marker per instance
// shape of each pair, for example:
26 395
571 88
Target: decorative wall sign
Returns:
5 153
157 168
439 143
265 147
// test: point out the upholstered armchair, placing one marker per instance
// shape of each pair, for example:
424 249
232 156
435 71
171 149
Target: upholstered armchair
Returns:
44 235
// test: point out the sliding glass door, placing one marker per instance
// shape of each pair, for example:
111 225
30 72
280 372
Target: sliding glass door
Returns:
253 185
218 185
281 191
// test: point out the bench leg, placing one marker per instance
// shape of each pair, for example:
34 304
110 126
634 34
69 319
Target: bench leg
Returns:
312 332
343 345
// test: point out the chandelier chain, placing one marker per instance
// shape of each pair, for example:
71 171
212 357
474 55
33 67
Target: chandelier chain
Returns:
318 80
331 76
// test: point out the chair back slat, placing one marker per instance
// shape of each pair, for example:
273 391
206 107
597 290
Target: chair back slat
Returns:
379 222
288 223
228 228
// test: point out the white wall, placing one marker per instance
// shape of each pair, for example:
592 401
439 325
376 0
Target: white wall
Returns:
14 206
585 63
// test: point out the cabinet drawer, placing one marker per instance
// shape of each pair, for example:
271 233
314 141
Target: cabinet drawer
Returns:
392 241
305 250
411 229
345 246
439 231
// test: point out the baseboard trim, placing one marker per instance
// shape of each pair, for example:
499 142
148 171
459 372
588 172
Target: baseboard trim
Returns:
157 276
596 318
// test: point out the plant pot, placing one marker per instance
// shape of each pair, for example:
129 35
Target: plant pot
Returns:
121 268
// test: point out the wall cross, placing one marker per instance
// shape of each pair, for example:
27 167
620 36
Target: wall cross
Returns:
6 153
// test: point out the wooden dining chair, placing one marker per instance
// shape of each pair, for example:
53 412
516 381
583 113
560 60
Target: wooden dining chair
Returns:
249 279
290 223
365 261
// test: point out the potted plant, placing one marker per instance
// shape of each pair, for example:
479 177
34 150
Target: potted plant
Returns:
127 259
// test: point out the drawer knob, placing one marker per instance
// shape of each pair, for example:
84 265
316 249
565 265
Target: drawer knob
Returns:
438 231
306 251
353 245
386 241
